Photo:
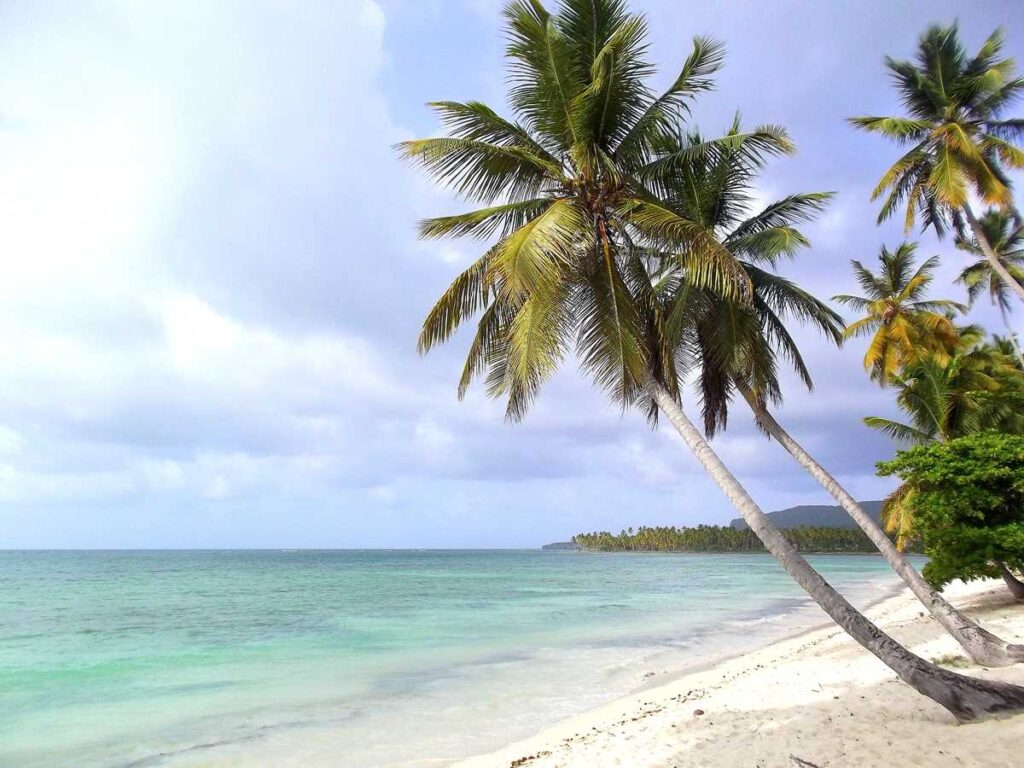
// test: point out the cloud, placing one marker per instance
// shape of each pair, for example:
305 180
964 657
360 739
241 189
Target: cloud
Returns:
212 286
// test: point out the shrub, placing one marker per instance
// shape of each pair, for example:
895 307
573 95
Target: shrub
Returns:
968 507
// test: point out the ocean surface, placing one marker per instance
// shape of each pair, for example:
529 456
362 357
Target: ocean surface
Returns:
359 658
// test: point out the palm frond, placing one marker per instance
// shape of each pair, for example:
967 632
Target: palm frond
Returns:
464 297
529 260
662 113
947 179
489 342
778 335
479 170
610 102
901 129
476 121
610 341
537 341
896 430
705 261
856 302
787 212
757 145
483 223
897 514
545 74
786 298
1008 130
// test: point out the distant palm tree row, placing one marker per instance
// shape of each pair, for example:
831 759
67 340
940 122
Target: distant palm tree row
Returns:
717 538
619 235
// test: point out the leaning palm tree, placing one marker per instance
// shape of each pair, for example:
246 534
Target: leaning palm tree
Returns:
735 345
567 190
1005 234
983 646
960 145
902 323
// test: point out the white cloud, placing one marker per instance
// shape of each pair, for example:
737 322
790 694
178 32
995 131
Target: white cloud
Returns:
211 285
115 116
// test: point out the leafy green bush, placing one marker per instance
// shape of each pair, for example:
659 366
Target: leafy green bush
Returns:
968 505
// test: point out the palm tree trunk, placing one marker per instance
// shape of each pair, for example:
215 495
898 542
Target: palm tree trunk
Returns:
965 697
1010 333
990 255
1014 584
984 647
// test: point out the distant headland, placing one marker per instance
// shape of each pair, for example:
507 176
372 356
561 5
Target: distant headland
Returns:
811 527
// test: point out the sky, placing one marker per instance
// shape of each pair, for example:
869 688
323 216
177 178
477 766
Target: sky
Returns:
211 284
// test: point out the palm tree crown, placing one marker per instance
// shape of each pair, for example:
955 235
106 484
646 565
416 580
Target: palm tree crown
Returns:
959 145
733 342
1006 236
566 185
903 324
978 388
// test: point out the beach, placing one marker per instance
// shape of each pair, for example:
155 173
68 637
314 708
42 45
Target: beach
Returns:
814 699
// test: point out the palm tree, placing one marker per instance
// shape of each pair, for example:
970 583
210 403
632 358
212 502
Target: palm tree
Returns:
560 183
736 344
978 388
568 185
959 144
1005 234
941 400
981 387
1007 347
903 325
716 192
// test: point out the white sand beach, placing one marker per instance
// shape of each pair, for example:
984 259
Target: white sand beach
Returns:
817 699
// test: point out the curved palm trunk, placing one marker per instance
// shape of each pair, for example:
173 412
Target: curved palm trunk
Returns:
1014 584
965 697
990 255
984 647
1010 333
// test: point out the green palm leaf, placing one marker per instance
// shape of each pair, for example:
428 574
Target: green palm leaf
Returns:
484 222
531 258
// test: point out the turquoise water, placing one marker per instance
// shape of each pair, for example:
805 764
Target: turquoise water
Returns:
357 658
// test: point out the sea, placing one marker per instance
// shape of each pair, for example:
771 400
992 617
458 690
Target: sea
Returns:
361 659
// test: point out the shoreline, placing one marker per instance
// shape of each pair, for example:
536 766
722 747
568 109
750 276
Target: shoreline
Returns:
895 592
813 694
804 552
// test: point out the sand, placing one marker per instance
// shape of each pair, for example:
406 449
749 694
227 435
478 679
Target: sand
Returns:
817 699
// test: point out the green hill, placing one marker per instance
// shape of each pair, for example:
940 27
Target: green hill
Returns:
816 515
